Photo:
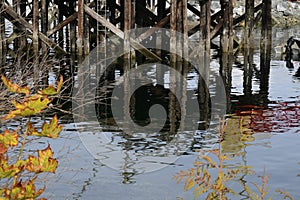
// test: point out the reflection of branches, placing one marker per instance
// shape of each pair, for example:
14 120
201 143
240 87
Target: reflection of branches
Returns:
262 190
200 177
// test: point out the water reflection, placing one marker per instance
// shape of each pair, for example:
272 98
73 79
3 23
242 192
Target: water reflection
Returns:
174 103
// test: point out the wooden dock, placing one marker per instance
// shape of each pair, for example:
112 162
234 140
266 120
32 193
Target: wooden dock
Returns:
75 27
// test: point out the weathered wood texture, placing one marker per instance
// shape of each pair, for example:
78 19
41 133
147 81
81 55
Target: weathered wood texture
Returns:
77 26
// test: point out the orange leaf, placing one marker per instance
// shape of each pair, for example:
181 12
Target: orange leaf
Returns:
3 148
30 130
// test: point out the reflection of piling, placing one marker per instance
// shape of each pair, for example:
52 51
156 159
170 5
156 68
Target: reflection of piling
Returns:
265 49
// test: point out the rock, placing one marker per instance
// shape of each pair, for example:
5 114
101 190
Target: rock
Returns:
239 11
282 6
288 13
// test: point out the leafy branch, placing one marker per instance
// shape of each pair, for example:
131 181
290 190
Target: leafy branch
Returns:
10 169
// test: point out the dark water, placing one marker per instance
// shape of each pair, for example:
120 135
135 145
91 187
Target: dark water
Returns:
98 161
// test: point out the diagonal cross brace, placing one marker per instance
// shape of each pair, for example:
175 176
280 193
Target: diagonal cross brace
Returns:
135 44
18 19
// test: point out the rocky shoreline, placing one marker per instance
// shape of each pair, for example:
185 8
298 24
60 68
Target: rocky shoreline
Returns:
284 13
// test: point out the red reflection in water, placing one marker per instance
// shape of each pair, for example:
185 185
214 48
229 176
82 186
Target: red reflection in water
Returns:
280 117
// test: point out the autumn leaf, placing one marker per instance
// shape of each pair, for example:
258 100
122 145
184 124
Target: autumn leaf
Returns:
30 130
26 190
9 138
32 106
7 171
3 148
33 164
51 90
52 129
47 163
44 163
13 87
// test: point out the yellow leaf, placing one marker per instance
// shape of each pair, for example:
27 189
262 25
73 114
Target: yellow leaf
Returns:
19 190
9 138
51 90
31 106
14 87
59 84
47 163
44 163
7 171
52 129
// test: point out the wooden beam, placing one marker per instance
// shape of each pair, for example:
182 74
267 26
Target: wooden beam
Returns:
135 44
10 13
157 26
62 24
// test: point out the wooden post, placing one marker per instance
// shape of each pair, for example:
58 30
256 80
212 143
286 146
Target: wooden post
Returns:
224 32
227 28
266 31
127 27
44 21
249 24
161 14
16 7
205 19
72 39
35 39
22 12
230 27
60 19
185 31
248 47
86 41
179 28
2 42
80 27
173 29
